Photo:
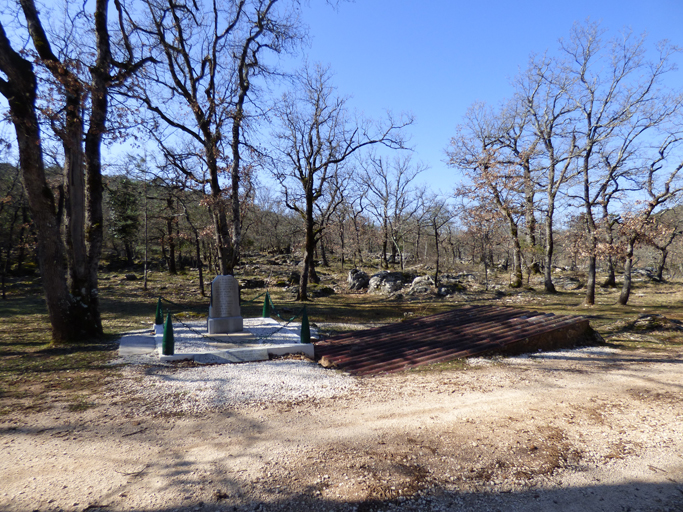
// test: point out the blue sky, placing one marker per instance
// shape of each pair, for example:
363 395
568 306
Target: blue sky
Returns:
435 58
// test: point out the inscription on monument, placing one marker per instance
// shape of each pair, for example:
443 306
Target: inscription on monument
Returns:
224 312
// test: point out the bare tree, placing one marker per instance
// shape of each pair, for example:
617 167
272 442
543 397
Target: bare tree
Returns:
315 140
201 92
661 231
544 91
659 190
620 102
489 150
438 214
393 199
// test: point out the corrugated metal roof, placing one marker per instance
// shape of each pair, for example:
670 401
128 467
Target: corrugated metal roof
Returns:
463 332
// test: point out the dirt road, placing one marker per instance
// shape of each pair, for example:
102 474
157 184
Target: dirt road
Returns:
597 429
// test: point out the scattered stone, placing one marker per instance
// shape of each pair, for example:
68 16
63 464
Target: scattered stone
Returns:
647 273
421 286
250 284
386 282
568 283
320 291
358 279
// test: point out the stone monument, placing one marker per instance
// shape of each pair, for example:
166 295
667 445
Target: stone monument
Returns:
224 308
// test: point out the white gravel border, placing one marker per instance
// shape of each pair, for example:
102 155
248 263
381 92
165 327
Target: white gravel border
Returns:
214 387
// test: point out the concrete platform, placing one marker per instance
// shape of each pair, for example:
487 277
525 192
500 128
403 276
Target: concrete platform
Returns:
261 339
137 344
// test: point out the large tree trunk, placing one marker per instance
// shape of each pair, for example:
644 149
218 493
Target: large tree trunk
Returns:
94 218
218 209
20 91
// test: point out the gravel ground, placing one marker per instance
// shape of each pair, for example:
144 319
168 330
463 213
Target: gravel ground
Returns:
588 429
214 387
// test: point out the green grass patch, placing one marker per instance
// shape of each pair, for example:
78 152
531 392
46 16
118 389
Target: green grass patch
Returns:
36 375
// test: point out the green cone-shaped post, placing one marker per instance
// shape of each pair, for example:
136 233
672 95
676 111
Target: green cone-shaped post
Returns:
305 328
167 343
159 317
266 306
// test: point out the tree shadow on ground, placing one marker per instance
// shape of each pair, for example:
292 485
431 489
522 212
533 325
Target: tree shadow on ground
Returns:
634 497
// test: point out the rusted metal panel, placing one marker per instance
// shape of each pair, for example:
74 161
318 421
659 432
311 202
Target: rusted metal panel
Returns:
463 332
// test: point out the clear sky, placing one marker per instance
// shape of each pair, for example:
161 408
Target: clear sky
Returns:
435 58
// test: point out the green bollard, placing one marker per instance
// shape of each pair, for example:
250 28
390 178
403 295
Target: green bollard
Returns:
159 317
167 343
305 328
266 306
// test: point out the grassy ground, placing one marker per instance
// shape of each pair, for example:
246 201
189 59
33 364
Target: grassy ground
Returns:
34 373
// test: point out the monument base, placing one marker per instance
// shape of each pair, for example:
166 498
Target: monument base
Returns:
225 325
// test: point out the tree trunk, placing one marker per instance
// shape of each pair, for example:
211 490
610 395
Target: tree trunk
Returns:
530 218
611 281
199 264
129 253
385 244
417 244
590 283
549 249
4 267
22 239
436 248
517 277
341 240
662 263
309 244
20 91
628 265
323 253
171 247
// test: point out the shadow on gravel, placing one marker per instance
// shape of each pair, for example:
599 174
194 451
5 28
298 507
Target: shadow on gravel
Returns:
635 497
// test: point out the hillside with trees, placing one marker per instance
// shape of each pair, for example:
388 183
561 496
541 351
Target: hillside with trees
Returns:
579 169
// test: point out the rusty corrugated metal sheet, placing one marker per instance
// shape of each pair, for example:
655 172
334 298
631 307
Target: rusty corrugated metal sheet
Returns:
463 332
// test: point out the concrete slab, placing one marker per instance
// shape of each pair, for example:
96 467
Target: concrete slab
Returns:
233 337
192 344
242 355
137 344
245 355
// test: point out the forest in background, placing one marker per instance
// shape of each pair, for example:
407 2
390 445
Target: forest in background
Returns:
579 168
